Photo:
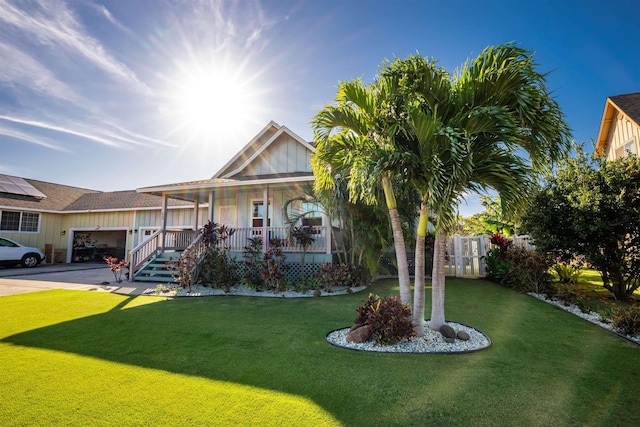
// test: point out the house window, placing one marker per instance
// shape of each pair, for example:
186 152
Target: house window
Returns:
312 215
19 221
627 149
257 213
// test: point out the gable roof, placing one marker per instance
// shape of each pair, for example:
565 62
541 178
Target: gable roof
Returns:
258 144
65 198
628 105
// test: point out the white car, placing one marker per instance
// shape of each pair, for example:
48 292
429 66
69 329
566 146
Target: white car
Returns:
12 253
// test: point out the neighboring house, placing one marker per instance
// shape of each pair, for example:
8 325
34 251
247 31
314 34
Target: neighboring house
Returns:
250 192
620 128
72 224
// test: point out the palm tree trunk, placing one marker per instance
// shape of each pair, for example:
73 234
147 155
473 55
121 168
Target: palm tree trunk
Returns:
418 282
398 242
437 282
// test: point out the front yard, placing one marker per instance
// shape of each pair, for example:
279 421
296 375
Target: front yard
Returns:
82 358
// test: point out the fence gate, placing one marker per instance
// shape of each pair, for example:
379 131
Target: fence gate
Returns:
466 254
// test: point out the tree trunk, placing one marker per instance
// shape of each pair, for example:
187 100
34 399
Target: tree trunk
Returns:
398 242
418 282
437 282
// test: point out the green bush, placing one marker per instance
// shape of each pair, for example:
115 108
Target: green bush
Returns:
497 266
390 320
517 267
349 275
566 273
626 320
219 270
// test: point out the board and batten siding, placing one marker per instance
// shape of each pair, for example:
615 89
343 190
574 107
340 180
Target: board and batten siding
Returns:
49 233
622 131
282 156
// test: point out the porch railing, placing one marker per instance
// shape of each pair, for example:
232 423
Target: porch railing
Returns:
145 251
239 239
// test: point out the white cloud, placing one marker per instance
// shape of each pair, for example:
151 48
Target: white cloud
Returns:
12 133
53 24
21 69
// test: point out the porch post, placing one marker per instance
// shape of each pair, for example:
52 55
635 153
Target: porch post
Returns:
196 208
163 221
327 232
265 219
212 196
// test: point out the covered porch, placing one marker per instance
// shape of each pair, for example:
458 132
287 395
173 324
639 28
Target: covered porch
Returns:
240 205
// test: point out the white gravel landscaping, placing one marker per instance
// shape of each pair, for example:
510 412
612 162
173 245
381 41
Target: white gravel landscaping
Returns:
592 317
431 342
203 291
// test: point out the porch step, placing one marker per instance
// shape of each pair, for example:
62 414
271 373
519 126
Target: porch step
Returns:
164 279
156 270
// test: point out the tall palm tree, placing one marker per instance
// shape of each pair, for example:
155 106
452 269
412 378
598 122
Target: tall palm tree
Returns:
492 125
352 142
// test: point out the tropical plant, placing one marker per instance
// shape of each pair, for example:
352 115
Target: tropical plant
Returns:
588 211
353 142
303 236
470 132
253 263
491 220
116 266
331 275
390 319
275 265
566 273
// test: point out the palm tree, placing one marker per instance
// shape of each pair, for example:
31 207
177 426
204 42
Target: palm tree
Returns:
353 143
492 125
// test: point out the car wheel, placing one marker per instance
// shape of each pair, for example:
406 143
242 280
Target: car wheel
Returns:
30 260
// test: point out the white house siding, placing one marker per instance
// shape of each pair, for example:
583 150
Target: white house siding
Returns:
622 131
250 150
282 156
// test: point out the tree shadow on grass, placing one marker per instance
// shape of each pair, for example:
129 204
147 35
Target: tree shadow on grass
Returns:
278 344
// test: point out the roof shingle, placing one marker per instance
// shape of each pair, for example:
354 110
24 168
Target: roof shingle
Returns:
630 104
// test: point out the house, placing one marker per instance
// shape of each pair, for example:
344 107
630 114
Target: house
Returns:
250 193
620 128
72 224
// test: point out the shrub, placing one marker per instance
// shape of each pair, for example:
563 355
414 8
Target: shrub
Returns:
626 320
496 266
517 267
274 261
349 275
390 320
566 273
570 294
253 264
529 271
218 269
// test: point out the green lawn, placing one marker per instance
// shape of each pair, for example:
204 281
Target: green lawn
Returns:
83 358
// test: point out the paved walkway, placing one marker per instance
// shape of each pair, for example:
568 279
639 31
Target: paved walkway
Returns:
87 277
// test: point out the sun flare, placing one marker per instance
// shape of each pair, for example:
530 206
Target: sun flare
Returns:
212 103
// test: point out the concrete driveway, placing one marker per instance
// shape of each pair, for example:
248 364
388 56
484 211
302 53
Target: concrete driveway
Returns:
87 277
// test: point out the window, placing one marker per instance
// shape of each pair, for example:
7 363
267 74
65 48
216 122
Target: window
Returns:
257 214
19 221
627 149
312 216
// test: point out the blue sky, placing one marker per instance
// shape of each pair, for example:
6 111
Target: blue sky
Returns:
116 95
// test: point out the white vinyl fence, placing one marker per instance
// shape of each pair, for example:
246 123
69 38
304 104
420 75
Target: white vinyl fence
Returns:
466 254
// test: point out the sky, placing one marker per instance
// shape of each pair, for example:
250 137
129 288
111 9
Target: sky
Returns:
117 95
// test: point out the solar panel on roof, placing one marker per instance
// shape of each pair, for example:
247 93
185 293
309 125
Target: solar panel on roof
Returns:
16 185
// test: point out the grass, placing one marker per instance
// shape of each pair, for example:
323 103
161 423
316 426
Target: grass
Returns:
83 358
593 295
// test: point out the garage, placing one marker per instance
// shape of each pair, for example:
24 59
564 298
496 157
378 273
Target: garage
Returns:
95 245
